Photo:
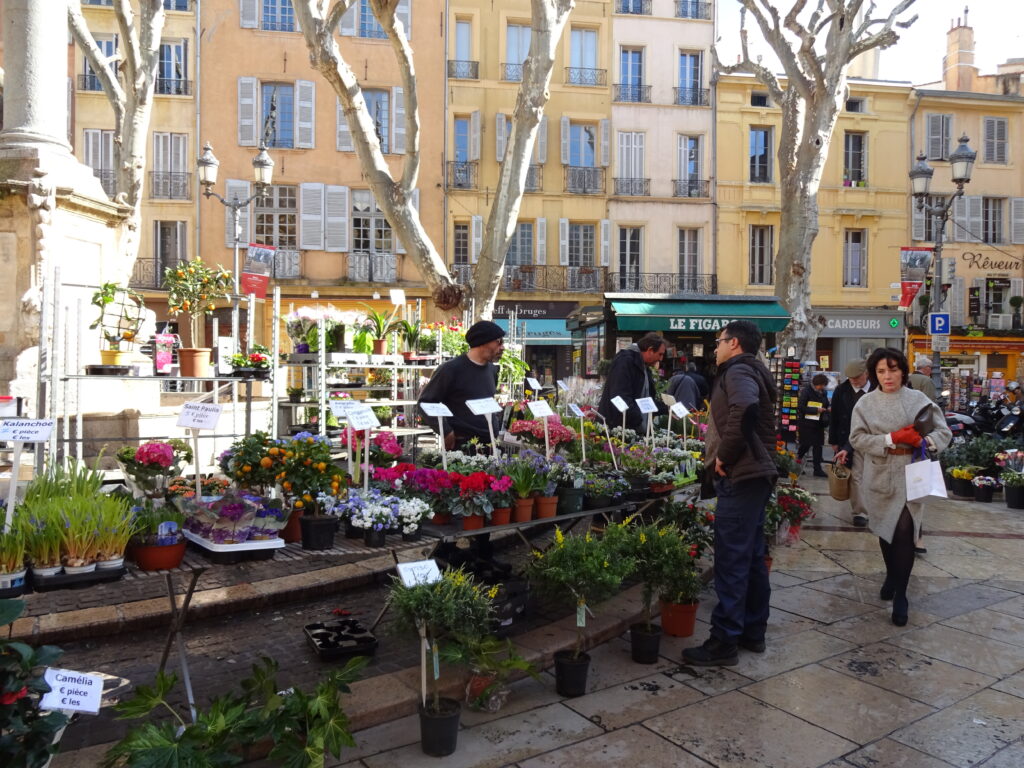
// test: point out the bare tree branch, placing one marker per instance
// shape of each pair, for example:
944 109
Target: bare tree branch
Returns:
773 35
97 59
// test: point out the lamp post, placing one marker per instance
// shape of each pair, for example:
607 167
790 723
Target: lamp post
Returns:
263 172
961 163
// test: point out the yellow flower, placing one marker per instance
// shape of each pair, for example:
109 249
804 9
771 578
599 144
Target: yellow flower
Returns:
493 592
559 538
587 538
605 563
538 554
643 538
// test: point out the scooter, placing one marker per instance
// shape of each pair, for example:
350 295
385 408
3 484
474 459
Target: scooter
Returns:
1012 424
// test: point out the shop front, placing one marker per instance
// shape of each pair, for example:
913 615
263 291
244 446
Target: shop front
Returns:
541 327
854 333
984 356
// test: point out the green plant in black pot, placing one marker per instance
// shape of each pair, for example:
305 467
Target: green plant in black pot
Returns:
492 663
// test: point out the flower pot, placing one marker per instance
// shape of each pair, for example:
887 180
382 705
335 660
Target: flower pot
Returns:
661 487
317 531
644 642
351 532
501 516
114 562
1014 496
151 557
262 374
49 570
547 506
114 357
983 493
407 356
439 731
292 530
74 570
414 536
571 674
472 522
523 512
194 361
243 373
378 346
596 502
442 518
570 500
12 580
679 619
963 488
295 398
374 538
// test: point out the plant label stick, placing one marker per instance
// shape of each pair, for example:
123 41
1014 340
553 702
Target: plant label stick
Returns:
19 432
578 413
439 410
366 465
195 452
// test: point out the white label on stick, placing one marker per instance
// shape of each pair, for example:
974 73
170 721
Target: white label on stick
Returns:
437 410
679 410
26 430
646 405
619 403
576 411
340 408
534 384
362 417
483 406
199 415
540 409
562 385
419 572
74 691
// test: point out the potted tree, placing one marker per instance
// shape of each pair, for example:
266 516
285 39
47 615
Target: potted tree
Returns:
119 320
491 662
411 335
192 288
1015 304
378 325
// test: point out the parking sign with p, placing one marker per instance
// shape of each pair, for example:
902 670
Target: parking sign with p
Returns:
938 324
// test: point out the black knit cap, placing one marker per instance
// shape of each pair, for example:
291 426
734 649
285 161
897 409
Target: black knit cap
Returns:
482 332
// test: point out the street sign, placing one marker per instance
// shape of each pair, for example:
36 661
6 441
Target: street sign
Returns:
940 343
938 324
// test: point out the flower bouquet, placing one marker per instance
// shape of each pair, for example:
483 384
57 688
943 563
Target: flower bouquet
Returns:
148 467
228 520
301 327
786 511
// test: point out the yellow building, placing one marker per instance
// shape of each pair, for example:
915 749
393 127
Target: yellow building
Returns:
863 210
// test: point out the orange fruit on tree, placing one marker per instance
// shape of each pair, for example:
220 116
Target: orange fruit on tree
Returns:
299 504
287 485
274 451
307 497
321 466
247 468
266 462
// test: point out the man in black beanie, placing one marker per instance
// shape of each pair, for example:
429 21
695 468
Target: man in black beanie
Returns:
470 376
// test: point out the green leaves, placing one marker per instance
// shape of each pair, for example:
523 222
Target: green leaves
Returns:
10 610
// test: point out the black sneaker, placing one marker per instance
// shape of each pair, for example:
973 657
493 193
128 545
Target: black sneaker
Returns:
714 653
860 521
754 646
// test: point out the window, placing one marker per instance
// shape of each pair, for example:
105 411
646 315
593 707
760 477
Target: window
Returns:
462 129
359 21
582 145
631 155
520 247
278 16
995 140
108 47
583 58
631 72
758 99
630 239
99 155
991 220
930 223
277 217
691 78
517 48
581 245
688 158
463 40
938 130
176 5
168 245
378 103
170 178
996 293
689 260
371 232
368 24
855 155
278 114
761 155
460 244
855 259
855 105
97 2
172 70
761 249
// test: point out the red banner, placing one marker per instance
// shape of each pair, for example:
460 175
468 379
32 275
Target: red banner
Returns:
250 282
909 289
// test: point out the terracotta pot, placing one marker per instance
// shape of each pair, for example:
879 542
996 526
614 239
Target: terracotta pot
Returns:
194 361
472 522
293 529
501 516
150 557
523 512
677 619
113 357
547 506
441 518
662 487
378 346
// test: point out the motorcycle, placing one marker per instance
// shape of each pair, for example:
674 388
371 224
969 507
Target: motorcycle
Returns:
1012 424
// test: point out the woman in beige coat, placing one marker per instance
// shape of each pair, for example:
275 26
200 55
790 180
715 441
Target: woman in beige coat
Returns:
890 406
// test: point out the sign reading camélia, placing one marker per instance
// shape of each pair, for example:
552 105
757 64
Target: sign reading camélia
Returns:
982 261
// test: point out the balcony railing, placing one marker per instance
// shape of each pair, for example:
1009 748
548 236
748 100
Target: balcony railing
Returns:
690 188
462 175
463 70
582 76
584 279
632 187
173 86
512 73
170 186
628 281
287 265
693 97
637 94
372 267
529 277
693 9
636 7
108 180
149 273
534 178
461 273
584 180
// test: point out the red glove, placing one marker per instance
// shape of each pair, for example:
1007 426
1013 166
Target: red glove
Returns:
906 436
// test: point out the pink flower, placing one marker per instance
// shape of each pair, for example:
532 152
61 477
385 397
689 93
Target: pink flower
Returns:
159 454
501 484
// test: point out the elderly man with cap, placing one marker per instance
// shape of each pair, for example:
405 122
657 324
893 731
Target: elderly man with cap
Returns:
470 376
843 399
921 378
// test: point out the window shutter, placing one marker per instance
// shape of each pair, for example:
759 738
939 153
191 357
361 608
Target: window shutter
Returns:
625 154
563 242
917 221
973 218
934 138
343 137
1001 140
564 126
305 114
336 208
311 216
474 136
404 15
161 152
398 121
477 235
349 21
957 300
959 233
864 260
1017 220
179 153
606 130
248 14
606 242
107 150
181 245
989 137
91 139
499 136
542 242
540 147
236 189
247 111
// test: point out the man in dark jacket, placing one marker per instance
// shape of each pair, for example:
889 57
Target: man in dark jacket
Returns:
684 390
739 458
700 381
844 398
812 409
630 377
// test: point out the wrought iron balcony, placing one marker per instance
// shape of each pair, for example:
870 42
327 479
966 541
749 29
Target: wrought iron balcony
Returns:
584 180
164 185
637 94
582 76
543 278
462 175
693 97
173 86
149 273
463 70
633 187
461 273
635 7
693 9
287 265
511 73
89 82
108 180
534 178
372 267
690 188
628 281
584 279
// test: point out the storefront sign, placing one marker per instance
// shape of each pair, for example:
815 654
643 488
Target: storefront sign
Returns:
699 323
859 323
534 310
987 263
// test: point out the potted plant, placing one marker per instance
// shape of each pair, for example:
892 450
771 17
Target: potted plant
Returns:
42 520
1015 304
962 476
379 325
1012 477
474 504
411 335
295 394
12 562
524 482
375 515
384 414
984 487
192 288
115 526
158 543
582 571
501 499
679 591
491 663
306 475
453 606
254 365
412 511
119 321
148 467
785 512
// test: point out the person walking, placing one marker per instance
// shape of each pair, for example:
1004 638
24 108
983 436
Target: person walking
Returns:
812 410
921 378
895 520
740 465
844 399
630 377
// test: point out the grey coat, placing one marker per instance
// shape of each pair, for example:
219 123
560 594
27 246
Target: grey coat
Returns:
883 485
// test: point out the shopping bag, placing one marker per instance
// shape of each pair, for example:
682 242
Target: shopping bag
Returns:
924 478
838 481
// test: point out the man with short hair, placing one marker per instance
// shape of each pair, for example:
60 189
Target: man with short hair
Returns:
843 399
740 462
812 409
700 381
921 378
630 378
683 389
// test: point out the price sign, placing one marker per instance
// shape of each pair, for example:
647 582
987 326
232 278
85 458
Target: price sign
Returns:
437 410
540 409
74 691
340 408
26 430
483 406
362 417
199 415
646 405
679 410
419 572
619 403
534 384
576 411
562 385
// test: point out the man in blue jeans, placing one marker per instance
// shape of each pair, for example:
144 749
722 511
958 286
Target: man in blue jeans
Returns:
740 465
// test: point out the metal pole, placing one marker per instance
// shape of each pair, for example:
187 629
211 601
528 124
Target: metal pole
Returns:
937 293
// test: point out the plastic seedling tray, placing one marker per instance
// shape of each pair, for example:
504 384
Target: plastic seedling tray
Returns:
340 639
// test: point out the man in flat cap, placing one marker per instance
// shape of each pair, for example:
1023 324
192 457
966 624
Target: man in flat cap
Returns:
843 399
470 376
921 378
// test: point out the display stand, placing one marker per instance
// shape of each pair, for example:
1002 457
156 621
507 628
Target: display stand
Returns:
786 372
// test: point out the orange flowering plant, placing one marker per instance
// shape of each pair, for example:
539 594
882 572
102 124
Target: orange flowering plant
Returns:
306 470
192 288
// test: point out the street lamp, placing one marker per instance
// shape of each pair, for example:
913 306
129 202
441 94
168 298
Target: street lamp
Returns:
961 163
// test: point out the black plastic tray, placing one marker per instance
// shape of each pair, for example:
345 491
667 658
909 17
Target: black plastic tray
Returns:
76 580
340 639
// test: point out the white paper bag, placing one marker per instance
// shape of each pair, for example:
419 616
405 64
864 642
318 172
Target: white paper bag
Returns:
924 478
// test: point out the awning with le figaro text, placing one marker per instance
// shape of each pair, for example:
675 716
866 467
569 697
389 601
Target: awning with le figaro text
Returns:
697 316
540 332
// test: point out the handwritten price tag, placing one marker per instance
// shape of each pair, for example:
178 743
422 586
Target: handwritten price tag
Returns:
199 415
362 417
534 384
540 409
679 410
26 430
576 410
437 410
619 403
483 406
419 572
646 405
340 408
562 385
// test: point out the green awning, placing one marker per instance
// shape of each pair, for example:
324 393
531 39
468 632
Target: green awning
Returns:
697 316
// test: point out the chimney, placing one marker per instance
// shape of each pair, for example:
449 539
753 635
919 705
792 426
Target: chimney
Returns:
959 71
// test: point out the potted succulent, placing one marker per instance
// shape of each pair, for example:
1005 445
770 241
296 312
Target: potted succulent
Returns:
192 288
120 318
378 325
